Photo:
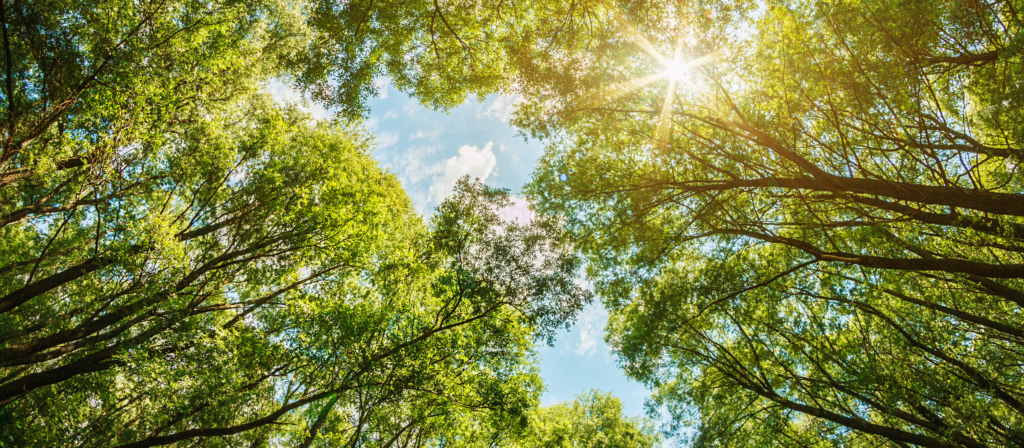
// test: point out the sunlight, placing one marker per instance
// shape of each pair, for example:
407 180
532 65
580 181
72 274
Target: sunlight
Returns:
681 71
676 70
616 91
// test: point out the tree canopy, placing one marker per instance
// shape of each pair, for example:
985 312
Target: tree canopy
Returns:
593 420
805 216
184 261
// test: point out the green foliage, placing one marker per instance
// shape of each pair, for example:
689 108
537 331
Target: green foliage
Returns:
592 420
187 263
813 236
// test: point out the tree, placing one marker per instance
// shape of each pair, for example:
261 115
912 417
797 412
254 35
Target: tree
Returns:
593 419
320 288
187 262
463 345
805 217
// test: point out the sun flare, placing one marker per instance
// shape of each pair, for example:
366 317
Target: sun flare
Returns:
676 70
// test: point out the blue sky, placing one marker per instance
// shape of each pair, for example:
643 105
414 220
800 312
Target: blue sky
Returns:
429 151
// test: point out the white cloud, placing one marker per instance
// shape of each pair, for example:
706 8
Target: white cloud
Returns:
583 282
502 107
371 123
381 84
412 164
285 94
385 139
591 325
471 160
238 176
390 114
415 166
420 134
411 107
282 93
518 211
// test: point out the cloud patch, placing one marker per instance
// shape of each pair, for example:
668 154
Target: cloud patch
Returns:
285 94
502 107
381 84
411 107
591 326
519 211
385 139
420 134
471 160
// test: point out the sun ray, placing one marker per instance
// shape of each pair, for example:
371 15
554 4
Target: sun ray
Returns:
675 70
679 69
616 91
628 29
665 117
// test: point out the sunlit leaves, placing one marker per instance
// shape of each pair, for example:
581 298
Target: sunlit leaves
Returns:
771 272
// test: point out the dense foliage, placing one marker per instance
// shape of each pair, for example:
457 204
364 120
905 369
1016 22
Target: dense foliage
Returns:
592 420
186 262
805 216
